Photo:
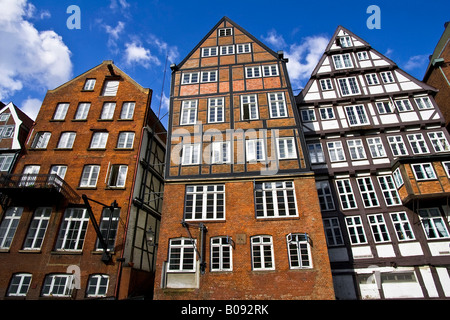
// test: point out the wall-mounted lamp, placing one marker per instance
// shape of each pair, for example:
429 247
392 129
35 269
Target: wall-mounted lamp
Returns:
150 235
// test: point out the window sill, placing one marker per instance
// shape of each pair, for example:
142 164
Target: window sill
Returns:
96 149
105 120
86 188
63 149
277 218
63 252
57 120
79 120
4 250
123 149
30 251
115 188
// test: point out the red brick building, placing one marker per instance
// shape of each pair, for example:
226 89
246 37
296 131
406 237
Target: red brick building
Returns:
241 216
96 144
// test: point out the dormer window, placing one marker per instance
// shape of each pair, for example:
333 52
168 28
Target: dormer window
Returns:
225 32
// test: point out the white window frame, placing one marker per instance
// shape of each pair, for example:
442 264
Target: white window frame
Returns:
72 232
439 141
433 224
376 147
326 200
191 154
262 253
224 32
97 285
356 149
267 200
216 110
220 152
384 107
6 161
326 84
110 88
82 111
99 140
182 256
299 251
19 284
37 229
127 111
41 140
402 226
387 77
308 115
327 113
423 103
89 85
397 175
226 50
221 254
397 145
363 55
124 139
367 191
61 111
190 77
336 151
417 143
89 176
342 61
243 48
208 76
349 86
209 198
210 52
345 41
117 176
446 165
356 115
345 194
108 225
59 281
403 105
355 230
378 227
253 72
108 111
389 190
66 140
286 148
8 226
423 171
188 114
252 146
270 70
316 154
277 105
250 102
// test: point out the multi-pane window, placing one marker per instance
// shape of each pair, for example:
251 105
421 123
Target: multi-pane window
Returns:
423 103
221 254
439 141
99 140
277 105
286 148
97 285
223 32
108 111
403 105
190 154
58 285
117 176
41 140
417 143
275 199
376 147
333 232
8 227
446 165
379 229
255 150
188 78
209 76
127 111
82 111
58 170
383 107
423 171
224 50
367 191
356 115
89 84
6 131
363 55
110 88
66 140
316 153
108 225
243 48
433 224
356 230
19 285
387 77
389 190
262 253
253 72
326 84
188 112
348 86
397 177
216 110
5 162
37 229
61 111
308 115
345 41
205 202
270 70
125 140
249 108
372 79
89 176
345 194
325 197
402 226
342 61
182 255
220 152
73 230
29 175
326 113
299 251
336 151
209 52
356 149
397 146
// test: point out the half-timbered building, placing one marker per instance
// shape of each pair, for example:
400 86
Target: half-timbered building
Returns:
377 143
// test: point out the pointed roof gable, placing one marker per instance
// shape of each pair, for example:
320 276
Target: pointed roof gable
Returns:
21 120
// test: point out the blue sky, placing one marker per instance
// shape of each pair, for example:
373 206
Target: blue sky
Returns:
39 51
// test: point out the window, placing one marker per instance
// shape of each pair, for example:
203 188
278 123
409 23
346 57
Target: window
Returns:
99 140
127 110
82 111
402 226
397 146
225 32
389 190
367 191
345 194
58 285
255 150
277 105
37 229
221 254
316 153
325 197
326 84
356 115
225 50
270 70
403 105
209 76
326 113
433 224
262 253
356 149
220 152
6 131
446 165
345 41
376 147
4 117
8 227
66 140
417 143
29 175
97 285
275 199
125 140
249 107
286 148
89 85
397 177
209 52
299 251
108 111
308 115
108 225
117 176
60 171
423 171
205 202
189 78
363 55
253 72
19 285
182 255
190 154
355 230
89 176
5 162
423 103
439 141
61 111
244 48
349 86
110 88
188 112
342 61
333 232
379 229
384 107
336 151
387 77
216 110
73 230
41 140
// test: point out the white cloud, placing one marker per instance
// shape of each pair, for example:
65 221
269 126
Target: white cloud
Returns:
31 107
135 53
274 39
29 57
415 62
164 48
114 33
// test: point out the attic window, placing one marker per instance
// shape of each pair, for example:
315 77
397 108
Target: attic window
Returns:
225 32
110 88
89 85
344 42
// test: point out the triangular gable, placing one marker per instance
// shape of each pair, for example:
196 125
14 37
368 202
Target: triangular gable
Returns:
19 118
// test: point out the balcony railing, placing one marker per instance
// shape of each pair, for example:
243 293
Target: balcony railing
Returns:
13 184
